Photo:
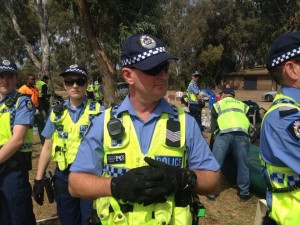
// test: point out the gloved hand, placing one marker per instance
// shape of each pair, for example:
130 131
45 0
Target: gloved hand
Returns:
38 191
175 179
140 185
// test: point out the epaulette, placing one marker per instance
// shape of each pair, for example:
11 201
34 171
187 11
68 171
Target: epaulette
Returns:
12 101
286 111
59 108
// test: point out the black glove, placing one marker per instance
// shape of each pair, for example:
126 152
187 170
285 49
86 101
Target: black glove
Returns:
175 179
38 191
139 185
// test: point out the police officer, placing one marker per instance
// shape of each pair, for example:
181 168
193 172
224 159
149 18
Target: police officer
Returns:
139 159
196 103
98 89
42 85
64 130
16 119
230 124
280 133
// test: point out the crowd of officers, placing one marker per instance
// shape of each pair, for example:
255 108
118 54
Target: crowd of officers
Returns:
143 161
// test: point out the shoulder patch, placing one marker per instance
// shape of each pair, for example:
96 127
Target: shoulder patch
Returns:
294 130
29 105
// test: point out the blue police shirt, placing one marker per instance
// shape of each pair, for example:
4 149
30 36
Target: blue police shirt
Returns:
90 154
75 114
193 87
25 111
280 136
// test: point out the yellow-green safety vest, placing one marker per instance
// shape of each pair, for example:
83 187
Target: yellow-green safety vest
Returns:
285 196
39 85
191 96
232 115
7 117
68 135
129 149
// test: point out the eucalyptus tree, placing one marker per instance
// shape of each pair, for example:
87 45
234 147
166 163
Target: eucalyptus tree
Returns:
26 13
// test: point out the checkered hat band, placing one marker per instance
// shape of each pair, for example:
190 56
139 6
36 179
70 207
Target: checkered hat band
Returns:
286 56
7 68
75 70
144 55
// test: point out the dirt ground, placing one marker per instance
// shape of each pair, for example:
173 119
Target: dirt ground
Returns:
225 210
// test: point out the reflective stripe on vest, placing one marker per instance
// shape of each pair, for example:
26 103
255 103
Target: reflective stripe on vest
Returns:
232 115
132 157
68 135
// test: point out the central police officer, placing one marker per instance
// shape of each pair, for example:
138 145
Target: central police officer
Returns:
120 161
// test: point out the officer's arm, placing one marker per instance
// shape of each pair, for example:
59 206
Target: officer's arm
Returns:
199 97
88 186
213 122
207 182
8 149
44 159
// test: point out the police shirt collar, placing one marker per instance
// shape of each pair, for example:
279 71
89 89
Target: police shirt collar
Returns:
291 92
162 106
82 105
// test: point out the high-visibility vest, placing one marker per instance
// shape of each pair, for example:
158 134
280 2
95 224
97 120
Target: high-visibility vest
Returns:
68 135
7 117
232 115
282 181
32 91
129 148
39 85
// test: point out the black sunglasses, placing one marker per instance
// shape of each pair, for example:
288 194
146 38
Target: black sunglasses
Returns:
70 82
157 69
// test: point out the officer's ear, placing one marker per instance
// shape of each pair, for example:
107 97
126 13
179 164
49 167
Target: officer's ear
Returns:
127 75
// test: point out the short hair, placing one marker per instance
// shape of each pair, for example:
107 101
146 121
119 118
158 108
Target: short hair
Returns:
276 74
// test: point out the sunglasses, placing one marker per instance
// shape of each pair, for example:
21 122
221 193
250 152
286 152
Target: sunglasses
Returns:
157 69
70 82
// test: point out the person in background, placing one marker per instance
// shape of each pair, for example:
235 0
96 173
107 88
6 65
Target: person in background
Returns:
98 89
196 103
16 119
64 130
229 126
42 85
184 101
280 133
140 160
30 89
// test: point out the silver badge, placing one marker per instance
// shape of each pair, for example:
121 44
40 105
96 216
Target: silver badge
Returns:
296 127
74 66
29 105
6 62
147 42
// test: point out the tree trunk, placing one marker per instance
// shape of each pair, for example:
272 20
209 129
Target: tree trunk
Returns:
42 14
103 62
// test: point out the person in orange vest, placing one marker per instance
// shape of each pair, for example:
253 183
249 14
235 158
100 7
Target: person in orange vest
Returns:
30 89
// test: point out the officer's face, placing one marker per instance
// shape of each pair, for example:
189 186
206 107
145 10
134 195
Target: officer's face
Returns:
75 85
7 83
144 86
